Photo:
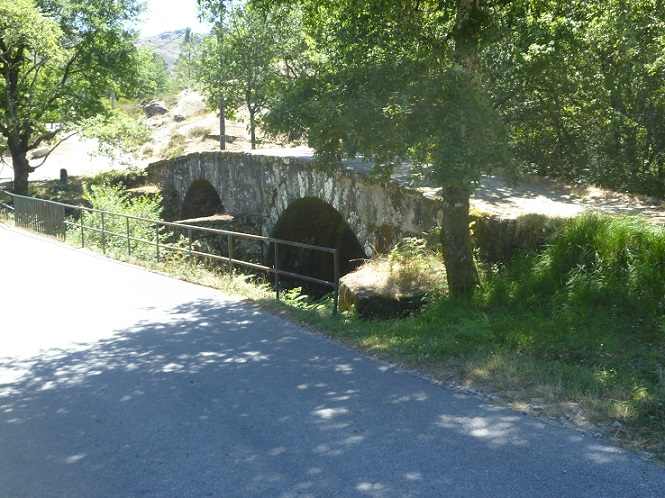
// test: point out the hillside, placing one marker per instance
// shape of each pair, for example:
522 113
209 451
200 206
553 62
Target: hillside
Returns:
166 45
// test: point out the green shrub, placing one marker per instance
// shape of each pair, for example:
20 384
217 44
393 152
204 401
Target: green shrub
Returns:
199 132
593 260
113 199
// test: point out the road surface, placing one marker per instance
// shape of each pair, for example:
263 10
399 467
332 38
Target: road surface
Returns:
118 382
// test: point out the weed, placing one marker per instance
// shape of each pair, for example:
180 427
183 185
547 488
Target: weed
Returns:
199 132
174 152
175 147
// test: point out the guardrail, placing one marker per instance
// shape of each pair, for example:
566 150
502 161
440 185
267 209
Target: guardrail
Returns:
48 218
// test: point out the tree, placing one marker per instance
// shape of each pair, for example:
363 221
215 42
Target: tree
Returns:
214 11
580 85
400 80
184 65
153 75
60 61
260 50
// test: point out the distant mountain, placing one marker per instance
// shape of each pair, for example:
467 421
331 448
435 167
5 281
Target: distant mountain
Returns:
167 44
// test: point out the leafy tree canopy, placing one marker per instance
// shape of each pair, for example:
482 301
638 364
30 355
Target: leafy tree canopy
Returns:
396 80
60 60
259 50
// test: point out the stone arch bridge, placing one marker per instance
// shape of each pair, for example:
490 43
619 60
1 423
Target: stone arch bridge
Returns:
293 200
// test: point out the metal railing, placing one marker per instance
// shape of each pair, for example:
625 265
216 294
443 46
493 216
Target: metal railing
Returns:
48 218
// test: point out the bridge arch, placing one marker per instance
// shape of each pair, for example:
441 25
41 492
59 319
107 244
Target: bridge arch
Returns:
201 200
264 187
310 220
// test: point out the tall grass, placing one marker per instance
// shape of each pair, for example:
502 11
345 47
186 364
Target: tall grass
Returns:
590 309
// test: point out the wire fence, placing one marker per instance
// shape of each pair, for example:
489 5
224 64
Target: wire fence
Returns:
145 238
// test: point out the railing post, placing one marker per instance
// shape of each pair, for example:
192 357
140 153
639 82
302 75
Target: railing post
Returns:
189 237
129 242
157 240
336 282
103 235
230 246
82 231
277 270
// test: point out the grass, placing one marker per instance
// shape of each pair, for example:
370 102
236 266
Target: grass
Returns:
175 147
199 132
575 332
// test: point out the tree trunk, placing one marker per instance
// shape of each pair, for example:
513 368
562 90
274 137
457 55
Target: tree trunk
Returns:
222 125
222 103
252 126
252 131
456 234
22 170
456 239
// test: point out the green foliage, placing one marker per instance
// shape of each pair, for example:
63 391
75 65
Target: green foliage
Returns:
175 147
389 84
60 62
119 135
581 86
113 199
153 75
415 264
594 260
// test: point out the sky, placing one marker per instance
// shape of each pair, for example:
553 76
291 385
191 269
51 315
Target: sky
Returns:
169 15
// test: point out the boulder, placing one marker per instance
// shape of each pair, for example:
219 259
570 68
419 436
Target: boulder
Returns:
154 108
497 238
39 153
375 297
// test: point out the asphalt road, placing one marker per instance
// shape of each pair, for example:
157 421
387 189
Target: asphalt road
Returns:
117 382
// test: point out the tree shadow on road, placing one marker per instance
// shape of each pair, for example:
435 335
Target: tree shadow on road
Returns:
220 399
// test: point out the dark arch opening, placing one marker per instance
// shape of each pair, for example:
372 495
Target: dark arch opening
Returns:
201 200
312 221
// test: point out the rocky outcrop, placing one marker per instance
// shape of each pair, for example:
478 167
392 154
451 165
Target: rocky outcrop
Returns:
497 239
154 108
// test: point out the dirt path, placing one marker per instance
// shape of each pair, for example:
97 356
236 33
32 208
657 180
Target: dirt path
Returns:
546 197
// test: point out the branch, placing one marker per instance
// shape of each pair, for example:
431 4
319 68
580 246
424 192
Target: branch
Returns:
57 88
45 137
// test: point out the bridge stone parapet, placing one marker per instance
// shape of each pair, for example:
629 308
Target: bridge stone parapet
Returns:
379 213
